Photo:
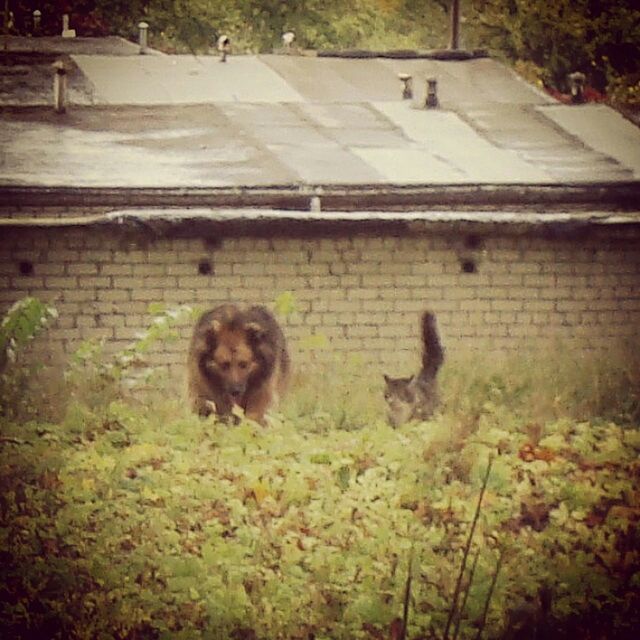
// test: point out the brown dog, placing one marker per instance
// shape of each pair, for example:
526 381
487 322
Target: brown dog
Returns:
237 358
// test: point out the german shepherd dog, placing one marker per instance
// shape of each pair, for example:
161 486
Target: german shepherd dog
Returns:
416 397
237 359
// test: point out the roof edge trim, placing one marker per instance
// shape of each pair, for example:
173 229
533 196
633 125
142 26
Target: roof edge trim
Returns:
337 197
163 221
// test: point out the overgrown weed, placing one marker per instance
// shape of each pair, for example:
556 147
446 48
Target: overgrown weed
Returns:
18 375
546 385
99 377
331 394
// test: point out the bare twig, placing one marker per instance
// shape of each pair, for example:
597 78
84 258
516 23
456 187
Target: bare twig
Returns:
407 598
456 593
483 620
466 595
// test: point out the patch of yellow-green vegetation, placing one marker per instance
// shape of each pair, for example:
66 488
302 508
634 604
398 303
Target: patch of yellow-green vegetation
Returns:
130 518
132 522
547 384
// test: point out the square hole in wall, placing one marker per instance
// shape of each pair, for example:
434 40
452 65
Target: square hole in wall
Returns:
205 267
26 268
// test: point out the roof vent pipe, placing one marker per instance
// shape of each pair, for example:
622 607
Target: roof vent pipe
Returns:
224 44
59 87
143 30
37 22
432 94
454 43
287 39
577 80
407 85
66 32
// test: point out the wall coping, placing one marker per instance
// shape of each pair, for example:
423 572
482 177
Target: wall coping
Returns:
194 221
624 196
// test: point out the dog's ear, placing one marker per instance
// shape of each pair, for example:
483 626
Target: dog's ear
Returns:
386 378
255 330
213 330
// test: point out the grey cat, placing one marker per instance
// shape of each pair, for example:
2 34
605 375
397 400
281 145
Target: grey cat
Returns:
417 397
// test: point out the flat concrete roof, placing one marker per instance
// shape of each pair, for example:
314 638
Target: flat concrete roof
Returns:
159 121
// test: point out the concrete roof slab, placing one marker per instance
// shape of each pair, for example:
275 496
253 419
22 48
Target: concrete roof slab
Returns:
98 147
183 80
298 136
87 158
359 137
345 115
411 166
602 128
335 79
104 46
317 165
447 136
539 140
250 114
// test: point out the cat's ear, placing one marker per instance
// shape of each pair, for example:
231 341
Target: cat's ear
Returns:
410 379
386 378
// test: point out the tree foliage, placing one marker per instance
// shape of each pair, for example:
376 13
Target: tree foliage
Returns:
601 38
254 25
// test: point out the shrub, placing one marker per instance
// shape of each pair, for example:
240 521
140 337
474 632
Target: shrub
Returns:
20 325
98 377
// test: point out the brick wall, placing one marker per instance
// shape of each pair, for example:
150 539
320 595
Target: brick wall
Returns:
365 294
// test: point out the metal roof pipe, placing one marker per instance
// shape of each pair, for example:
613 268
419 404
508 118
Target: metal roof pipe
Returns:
577 81
287 40
455 25
143 30
431 101
59 87
66 31
407 85
224 45
37 22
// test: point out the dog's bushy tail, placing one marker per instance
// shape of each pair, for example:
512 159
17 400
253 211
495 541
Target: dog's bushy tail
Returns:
432 352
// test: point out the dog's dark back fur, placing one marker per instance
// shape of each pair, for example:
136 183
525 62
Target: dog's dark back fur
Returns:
237 358
417 397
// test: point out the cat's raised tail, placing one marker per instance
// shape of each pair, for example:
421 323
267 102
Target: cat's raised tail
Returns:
432 351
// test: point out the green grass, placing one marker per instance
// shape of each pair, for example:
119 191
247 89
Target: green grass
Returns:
138 520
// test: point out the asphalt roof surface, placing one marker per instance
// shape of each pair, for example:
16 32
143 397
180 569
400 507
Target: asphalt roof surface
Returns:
182 121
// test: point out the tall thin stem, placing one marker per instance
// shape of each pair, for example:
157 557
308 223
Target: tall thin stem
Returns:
466 595
483 620
407 598
456 593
